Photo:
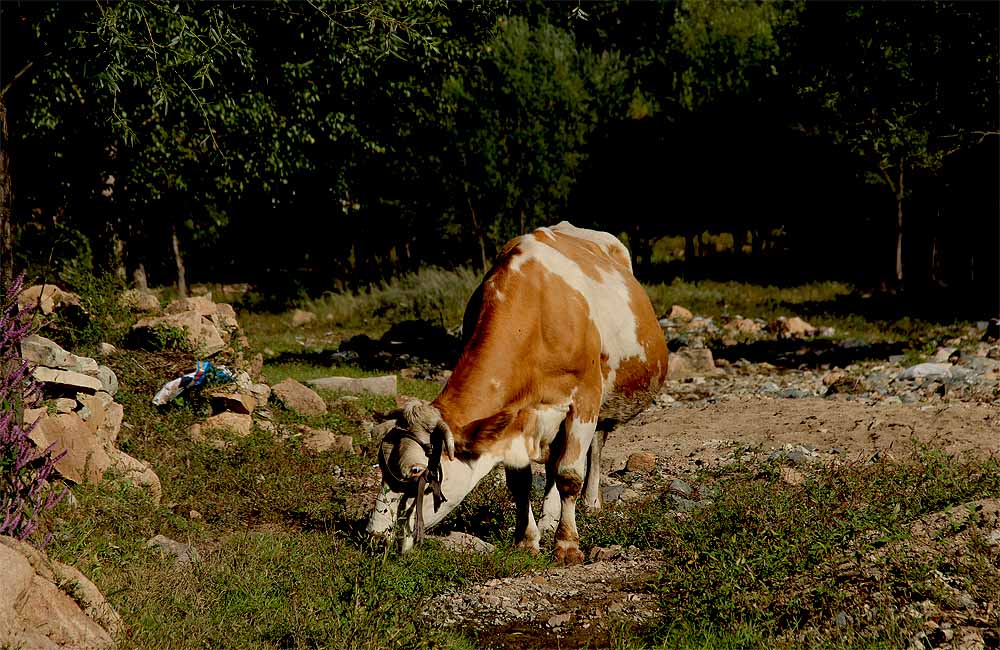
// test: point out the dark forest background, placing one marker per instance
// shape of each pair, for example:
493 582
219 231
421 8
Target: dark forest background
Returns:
308 146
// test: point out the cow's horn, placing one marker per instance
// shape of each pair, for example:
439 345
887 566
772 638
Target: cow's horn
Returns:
449 438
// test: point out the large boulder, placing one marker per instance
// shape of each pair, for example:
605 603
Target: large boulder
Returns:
37 611
141 301
298 398
48 297
89 449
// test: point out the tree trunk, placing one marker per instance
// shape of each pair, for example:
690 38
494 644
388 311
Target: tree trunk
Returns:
6 229
899 228
689 247
181 282
139 277
480 235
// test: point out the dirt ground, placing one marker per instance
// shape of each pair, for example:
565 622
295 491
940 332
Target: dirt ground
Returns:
580 606
684 434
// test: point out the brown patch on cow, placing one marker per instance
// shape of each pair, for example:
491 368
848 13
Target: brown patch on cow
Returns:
569 483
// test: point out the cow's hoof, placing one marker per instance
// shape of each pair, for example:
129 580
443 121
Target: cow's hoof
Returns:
529 546
568 554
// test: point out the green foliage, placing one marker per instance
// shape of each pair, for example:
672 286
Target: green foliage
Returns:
518 120
727 47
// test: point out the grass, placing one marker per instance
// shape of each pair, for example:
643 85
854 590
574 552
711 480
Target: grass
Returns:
284 564
771 564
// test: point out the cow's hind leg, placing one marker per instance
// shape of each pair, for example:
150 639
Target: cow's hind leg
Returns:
526 533
572 468
592 486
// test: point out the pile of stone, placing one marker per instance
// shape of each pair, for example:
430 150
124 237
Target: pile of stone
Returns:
79 414
208 327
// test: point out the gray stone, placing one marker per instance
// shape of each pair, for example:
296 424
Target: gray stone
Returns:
687 505
464 542
109 382
41 351
385 385
680 487
182 553
927 371
609 493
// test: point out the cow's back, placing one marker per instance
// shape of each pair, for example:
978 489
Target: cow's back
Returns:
578 285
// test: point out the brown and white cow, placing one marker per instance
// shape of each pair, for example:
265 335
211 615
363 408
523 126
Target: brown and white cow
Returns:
560 341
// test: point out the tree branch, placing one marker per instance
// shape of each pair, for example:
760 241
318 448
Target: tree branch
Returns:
20 74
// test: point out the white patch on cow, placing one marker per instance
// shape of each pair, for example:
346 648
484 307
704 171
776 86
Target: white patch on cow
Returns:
548 419
547 231
607 298
610 243
517 454
499 295
496 384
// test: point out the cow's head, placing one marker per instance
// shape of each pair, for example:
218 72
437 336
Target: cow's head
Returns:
417 457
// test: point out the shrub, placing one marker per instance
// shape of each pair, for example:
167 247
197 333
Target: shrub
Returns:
25 495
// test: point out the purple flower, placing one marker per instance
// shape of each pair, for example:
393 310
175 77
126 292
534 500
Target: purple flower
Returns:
25 493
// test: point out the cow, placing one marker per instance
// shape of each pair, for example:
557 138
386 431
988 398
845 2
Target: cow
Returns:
561 344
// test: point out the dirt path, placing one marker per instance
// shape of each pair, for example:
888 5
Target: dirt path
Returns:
689 435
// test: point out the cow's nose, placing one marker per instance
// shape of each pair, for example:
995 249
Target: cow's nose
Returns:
417 470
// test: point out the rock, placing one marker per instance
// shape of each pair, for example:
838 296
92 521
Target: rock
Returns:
136 472
791 476
688 505
385 385
36 613
233 402
559 620
48 298
680 487
678 313
67 378
109 382
609 493
141 301
85 459
946 355
641 463
320 440
298 398
602 554
690 362
927 371
841 383
194 515
239 423
202 305
106 350
793 327
201 335
41 351
464 542
182 553
301 317
744 326
64 404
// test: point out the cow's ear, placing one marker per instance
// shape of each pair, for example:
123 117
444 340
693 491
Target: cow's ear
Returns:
385 416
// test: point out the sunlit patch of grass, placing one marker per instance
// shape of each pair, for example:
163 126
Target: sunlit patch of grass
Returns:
765 564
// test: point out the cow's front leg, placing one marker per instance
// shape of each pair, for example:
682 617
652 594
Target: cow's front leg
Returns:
572 469
526 534
551 506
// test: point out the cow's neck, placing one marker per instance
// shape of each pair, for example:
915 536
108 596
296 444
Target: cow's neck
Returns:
459 477
476 393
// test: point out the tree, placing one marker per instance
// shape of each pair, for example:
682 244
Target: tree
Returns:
518 120
901 85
